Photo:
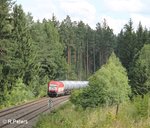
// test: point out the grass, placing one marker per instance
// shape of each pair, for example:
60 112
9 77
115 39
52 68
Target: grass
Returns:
68 116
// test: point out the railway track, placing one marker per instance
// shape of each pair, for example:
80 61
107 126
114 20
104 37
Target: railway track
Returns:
26 115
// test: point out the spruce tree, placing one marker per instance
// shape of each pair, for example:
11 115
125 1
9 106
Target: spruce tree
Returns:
5 44
22 61
140 72
126 45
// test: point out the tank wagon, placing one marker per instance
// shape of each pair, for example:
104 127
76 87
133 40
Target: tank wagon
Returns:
56 88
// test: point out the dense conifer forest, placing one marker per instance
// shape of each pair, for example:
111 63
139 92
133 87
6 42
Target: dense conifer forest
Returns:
35 52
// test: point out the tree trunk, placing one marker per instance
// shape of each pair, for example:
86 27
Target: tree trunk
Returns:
69 56
117 110
94 68
87 61
75 58
69 61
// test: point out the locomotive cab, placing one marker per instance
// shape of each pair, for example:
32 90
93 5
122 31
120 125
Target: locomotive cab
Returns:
55 88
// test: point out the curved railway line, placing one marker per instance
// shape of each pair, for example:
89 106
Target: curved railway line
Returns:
26 115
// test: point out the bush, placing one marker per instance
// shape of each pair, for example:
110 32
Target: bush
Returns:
141 106
75 94
38 86
19 93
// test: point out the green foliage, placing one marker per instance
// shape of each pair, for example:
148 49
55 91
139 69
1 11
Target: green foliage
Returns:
141 107
83 46
75 94
130 42
49 50
105 43
38 51
23 56
126 45
140 73
38 86
5 35
108 86
137 111
18 94
69 117
5 26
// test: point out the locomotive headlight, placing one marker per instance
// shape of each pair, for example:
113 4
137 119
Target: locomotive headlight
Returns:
52 87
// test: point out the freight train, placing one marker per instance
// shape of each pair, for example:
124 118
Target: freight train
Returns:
56 88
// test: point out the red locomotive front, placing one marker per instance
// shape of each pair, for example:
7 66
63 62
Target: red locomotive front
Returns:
55 88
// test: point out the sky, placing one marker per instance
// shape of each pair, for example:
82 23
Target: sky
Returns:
116 12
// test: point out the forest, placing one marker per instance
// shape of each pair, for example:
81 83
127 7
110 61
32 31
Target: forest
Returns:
35 52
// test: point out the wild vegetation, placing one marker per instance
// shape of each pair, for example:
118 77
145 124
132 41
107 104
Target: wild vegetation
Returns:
131 115
116 65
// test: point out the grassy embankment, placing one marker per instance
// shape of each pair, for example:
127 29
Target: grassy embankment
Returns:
131 115
21 94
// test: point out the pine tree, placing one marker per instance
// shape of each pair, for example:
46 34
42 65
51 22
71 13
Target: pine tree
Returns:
105 42
67 38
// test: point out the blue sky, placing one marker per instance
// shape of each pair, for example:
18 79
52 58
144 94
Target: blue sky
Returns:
116 12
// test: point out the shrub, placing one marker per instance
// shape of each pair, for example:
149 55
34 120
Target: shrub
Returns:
141 106
19 93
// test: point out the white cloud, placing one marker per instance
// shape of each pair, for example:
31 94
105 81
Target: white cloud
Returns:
40 8
79 10
124 5
76 9
145 20
115 24
123 10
